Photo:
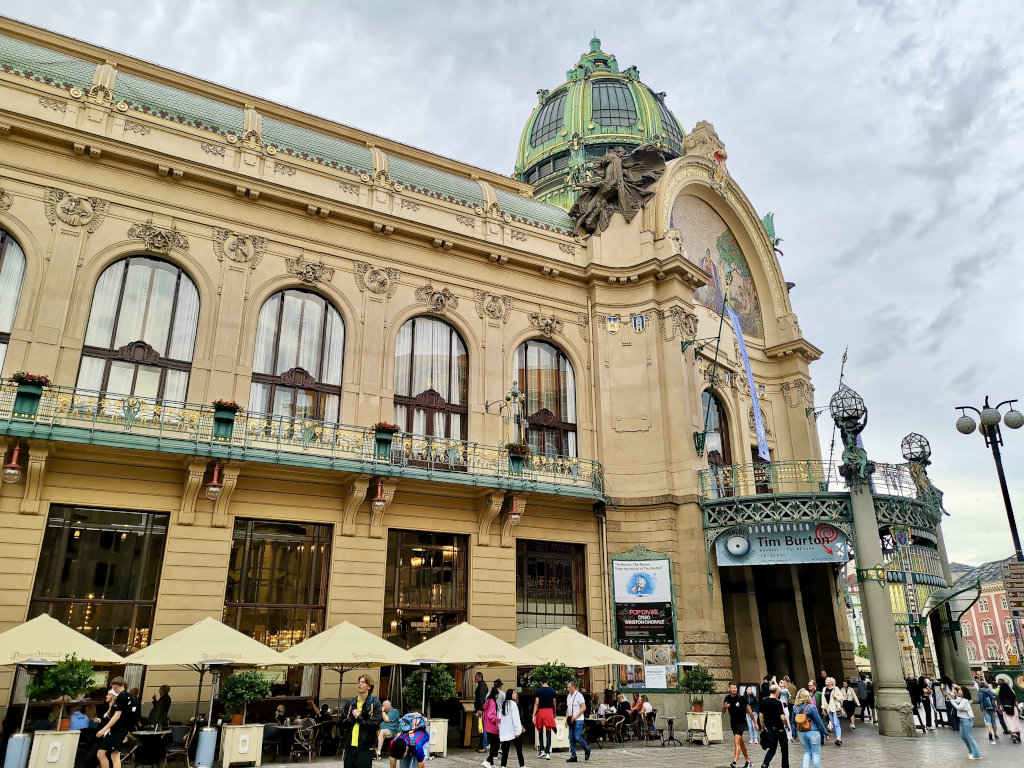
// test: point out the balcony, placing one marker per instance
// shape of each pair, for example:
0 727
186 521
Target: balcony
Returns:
73 415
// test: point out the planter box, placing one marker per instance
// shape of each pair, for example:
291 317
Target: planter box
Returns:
53 749
26 400
438 737
223 423
515 463
382 444
559 737
241 744
696 719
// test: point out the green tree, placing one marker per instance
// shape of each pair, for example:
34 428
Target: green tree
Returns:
69 678
863 652
242 688
440 687
558 675
698 682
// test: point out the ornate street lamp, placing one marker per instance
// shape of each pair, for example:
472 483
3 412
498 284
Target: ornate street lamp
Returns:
915 447
990 417
12 470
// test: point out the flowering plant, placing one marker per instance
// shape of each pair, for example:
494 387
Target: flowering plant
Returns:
31 378
229 405
517 449
383 426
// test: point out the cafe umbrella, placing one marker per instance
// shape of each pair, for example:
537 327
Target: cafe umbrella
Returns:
344 647
569 647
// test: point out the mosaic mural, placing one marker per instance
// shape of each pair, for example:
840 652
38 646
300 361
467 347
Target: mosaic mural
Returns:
710 244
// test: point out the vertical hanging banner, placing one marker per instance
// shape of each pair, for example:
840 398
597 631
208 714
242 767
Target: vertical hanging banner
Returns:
645 626
762 438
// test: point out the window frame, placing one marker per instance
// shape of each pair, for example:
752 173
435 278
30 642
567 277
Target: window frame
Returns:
613 112
561 553
550 119
5 239
430 400
543 418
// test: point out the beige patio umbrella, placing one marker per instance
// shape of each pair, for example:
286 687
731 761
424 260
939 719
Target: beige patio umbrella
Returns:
43 641
344 647
207 643
569 647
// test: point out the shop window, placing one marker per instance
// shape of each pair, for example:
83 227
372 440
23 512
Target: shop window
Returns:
142 330
548 383
431 379
12 277
426 585
98 573
299 356
550 586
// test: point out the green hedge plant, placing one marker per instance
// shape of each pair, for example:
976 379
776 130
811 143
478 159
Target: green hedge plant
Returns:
558 676
440 687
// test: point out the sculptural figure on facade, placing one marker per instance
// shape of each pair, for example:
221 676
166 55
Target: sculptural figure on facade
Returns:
623 184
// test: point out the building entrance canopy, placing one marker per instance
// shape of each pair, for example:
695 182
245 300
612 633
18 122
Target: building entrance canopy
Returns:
960 597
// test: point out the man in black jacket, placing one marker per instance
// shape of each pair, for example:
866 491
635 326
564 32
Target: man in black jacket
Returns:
362 717
479 699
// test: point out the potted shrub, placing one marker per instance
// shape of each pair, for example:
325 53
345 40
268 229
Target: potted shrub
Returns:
440 687
30 389
241 689
698 682
224 412
64 681
517 453
558 675
383 435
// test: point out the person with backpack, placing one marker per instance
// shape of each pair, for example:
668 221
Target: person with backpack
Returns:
361 720
412 744
987 704
809 728
125 718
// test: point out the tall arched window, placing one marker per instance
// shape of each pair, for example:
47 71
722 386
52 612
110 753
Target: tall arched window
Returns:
300 353
431 379
986 627
716 444
972 655
547 381
142 330
12 277
965 628
1008 624
992 651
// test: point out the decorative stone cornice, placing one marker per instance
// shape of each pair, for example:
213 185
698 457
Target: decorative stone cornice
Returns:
242 249
309 271
158 239
73 210
796 348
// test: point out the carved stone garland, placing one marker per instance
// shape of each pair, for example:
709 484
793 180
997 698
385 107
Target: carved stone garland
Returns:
438 299
309 271
549 325
158 239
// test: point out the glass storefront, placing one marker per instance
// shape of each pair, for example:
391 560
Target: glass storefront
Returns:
550 587
426 587
98 572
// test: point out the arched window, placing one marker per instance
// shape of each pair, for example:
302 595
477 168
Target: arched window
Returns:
1008 623
431 379
972 655
965 628
992 651
716 444
986 627
612 103
983 604
1002 603
12 276
142 330
300 352
548 383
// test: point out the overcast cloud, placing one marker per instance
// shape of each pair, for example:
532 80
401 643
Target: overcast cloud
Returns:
885 136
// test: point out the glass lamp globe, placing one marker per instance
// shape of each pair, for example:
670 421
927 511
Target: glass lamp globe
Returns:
1014 419
915 447
989 417
847 406
213 491
965 425
12 473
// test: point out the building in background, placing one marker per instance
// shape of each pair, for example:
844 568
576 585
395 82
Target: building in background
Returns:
988 627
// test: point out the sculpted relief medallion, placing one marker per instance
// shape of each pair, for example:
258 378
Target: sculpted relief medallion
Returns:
438 299
73 210
243 249
158 239
309 271
379 280
492 306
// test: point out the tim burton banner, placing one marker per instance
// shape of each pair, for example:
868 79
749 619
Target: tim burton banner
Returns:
645 622
774 543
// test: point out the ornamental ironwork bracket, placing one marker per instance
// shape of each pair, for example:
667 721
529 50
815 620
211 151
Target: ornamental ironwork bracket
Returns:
697 344
875 573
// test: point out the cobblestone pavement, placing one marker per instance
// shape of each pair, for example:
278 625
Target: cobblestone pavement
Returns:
862 748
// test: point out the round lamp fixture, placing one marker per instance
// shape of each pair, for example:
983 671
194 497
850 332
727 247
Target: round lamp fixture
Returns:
12 471
915 447
989 417
846 406
214 489
965 425
379 504
1014 419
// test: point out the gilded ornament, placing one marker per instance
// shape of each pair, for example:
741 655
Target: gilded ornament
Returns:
73 210
158 239
242 249
309 271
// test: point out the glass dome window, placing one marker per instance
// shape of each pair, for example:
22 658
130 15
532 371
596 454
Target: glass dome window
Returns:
669 122
549 120
612 103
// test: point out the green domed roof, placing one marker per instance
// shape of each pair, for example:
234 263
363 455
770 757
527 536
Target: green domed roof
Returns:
596 108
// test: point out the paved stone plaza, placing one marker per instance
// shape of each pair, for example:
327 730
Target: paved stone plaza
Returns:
862 748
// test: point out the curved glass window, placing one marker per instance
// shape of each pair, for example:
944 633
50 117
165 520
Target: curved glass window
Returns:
549 120
548 383
142 330
12 277
668 122
431 379
300 353
612 103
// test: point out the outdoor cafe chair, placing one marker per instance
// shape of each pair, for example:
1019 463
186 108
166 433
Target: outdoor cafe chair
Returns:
693 734
614 728
272 738
181 742
306 740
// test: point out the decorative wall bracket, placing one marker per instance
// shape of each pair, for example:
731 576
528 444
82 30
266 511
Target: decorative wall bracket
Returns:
514 508
35 473
229 479
190 491
379 506
488 509
355 494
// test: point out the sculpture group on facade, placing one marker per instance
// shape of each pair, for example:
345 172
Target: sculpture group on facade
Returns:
624 184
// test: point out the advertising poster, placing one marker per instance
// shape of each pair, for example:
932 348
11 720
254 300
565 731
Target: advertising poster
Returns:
645 620
777 543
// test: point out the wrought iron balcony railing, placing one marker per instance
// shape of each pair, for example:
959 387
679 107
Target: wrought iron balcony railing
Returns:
75 415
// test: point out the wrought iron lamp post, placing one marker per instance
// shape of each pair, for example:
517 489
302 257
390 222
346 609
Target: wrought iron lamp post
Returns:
989 418
895 717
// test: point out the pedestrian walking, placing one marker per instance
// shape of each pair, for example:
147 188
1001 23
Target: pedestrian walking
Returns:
412 744
987 704
961 702
809 728
510 728
738 707
753 702
479 699
1008 705
362 718
850 703
925 684
784 698
832 705
772 718
492 723
575 708
544 717
862 695
946 687
125 717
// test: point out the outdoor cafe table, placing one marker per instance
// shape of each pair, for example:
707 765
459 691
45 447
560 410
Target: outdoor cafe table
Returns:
152 746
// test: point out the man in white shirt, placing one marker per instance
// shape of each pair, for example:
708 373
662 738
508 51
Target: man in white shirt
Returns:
574 711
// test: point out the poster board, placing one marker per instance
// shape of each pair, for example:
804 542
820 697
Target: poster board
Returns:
645 625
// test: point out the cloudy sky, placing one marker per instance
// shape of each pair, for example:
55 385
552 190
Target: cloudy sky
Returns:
880 133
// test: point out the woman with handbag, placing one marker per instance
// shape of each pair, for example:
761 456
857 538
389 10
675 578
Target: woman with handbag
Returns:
809 728
832 706
492 723
1008 703
850 702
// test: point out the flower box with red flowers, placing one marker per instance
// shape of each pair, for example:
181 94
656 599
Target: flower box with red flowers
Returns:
30 390
227 405
32 379
517 449
383 426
